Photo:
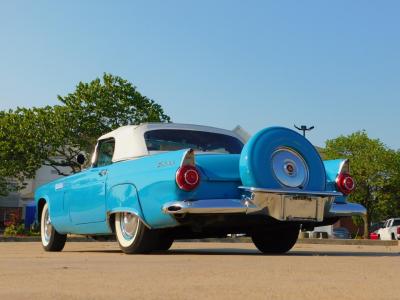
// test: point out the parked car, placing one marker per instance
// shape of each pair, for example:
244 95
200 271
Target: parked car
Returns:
341 233
321 232
374 236
155 183
390 230
376 226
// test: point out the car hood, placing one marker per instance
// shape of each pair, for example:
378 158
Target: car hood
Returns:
219 167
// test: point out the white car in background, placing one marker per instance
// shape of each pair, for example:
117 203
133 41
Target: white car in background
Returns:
390 230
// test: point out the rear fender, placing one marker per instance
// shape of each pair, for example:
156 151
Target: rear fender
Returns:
124 198
333 168
39 204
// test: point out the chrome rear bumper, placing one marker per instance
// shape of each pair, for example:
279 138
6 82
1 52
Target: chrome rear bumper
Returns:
291 192
346 210
282 205
209 206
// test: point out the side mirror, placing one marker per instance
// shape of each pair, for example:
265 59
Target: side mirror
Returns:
80 158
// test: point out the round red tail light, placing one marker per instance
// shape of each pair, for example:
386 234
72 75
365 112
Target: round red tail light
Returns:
345 183
187 178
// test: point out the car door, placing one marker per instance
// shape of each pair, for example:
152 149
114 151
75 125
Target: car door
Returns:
86 194
391 228
385 231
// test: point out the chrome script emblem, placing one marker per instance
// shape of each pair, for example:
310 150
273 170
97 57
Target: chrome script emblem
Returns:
162 164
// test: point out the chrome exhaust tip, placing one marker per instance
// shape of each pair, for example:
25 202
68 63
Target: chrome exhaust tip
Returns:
173 209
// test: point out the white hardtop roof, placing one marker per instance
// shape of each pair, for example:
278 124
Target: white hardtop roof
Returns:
130 143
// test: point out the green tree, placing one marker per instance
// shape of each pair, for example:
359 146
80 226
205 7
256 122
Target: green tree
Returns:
101 106
375 169
53 136
30 138
20 152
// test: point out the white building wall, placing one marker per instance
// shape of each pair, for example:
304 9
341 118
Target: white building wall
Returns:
43 175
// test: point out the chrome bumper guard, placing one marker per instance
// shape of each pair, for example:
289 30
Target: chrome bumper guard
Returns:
284 205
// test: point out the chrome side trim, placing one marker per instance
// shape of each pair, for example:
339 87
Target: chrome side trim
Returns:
292 192
188 158
346 210
344 167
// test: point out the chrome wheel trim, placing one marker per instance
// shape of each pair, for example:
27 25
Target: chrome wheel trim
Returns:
289 168
129 225
47 227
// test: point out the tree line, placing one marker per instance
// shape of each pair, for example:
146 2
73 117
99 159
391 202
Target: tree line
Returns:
54 135
376 170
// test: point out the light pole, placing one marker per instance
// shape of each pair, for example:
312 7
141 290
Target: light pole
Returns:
304 129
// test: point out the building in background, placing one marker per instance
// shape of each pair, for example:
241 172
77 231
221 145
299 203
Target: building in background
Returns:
16 203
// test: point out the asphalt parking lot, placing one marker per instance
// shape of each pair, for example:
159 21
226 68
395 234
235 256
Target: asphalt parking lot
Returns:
94 270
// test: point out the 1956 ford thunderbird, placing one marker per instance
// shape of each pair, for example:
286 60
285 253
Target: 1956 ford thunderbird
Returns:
155 183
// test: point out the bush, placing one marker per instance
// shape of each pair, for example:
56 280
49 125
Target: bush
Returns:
33 233
14 229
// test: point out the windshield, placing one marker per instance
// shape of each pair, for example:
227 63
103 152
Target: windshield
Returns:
175 139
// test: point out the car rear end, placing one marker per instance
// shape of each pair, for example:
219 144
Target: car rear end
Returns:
286 184
269 188
396 224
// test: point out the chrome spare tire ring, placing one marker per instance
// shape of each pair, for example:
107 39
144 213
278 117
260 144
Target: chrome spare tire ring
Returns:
289 168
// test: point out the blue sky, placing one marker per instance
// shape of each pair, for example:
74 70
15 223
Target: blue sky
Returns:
331 64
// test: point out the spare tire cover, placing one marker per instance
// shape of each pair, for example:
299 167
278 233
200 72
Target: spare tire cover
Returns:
280 158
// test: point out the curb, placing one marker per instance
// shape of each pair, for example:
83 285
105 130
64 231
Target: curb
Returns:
19 239
307 241
348 242
37 239
226 240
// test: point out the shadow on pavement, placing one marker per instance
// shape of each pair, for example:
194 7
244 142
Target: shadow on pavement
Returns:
230 251
250 252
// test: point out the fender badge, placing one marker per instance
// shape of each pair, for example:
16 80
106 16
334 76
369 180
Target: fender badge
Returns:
165 163
59 186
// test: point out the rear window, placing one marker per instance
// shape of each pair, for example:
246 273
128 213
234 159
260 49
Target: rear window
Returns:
173 139
396 222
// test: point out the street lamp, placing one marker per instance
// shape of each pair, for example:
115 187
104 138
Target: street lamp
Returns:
304 129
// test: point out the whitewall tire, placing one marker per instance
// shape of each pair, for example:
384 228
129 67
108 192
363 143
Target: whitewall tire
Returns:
51 239
132 235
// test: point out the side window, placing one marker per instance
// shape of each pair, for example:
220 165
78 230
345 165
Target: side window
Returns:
105 151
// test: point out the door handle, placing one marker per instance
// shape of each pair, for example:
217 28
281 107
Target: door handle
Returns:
103 172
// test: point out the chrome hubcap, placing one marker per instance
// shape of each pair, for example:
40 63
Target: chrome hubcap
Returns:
129 225
47 226
289 168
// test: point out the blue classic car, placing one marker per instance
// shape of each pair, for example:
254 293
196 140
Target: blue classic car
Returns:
154 183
